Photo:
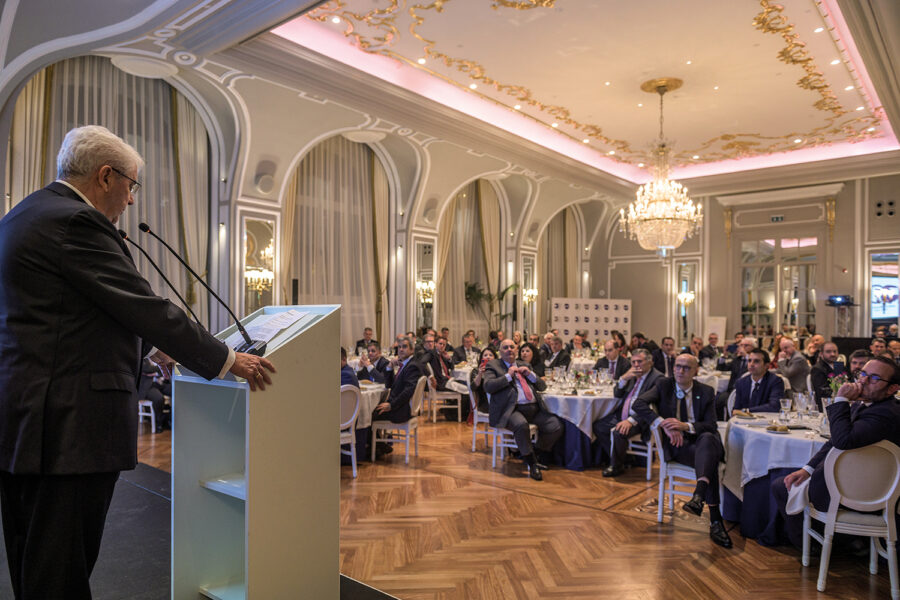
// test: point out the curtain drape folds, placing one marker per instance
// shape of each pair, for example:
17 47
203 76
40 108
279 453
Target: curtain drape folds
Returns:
552 266
331 254
91 91
490 233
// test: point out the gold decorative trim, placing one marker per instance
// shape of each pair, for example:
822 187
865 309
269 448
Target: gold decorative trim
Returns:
830 216
840 126
726 212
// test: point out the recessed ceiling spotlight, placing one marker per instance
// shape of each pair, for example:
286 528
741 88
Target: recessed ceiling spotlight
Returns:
335 20
715 87
688 62
797 140
472 86
860 108
640 105
611 152
818 30
517 107
586 141
640 164
848 88
554 125
870 129
606 83
836 62
696 156
421 61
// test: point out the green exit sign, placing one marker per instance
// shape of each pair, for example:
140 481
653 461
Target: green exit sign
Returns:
777 218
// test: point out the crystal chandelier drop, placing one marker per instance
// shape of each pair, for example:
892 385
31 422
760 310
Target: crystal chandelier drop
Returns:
663 215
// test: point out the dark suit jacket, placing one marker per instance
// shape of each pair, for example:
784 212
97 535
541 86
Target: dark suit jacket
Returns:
571 346
402 386
348 377
818 376
708 351
620 393
660 401
364 344
459 354
659 364
504 394
622 366
738 368
378 372
437 362
562 360
771 391
76 318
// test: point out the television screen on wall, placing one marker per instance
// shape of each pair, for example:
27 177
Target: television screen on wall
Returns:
885 303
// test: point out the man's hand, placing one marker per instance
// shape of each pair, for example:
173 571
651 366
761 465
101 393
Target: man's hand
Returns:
164 362
782 356
383 407
675 437
395 363
512 371
673 424
252 368
630 374
850 391
624 427
363 361
433 381
795 478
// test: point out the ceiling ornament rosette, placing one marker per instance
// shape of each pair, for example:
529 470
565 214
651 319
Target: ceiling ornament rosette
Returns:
397 30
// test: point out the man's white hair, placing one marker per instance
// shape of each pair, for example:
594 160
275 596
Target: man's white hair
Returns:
85 149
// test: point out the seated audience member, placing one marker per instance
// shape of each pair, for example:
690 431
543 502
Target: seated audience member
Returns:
476 377
425 343
515 402
362 346
712 349
402 377
517 338
664 357
442 367
813 347
793 365
878 346
863 413
738 367
611 362
894 349
467 351
892 331
155 388
624 350
558 357
348 377
685 413
775 347
577 343
494 339
545 346
732 348
761 390
623 421
639 340
858 359
826 366
372 365
534 339
694 347
445 333
532 356
400 336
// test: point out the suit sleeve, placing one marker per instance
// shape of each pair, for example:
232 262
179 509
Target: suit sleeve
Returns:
643 407
493 381
95 264
405 386
707 421
870 426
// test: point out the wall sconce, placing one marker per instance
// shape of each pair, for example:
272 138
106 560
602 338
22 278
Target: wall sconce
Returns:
425 291
685 298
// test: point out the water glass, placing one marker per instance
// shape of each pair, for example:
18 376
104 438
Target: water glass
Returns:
785 408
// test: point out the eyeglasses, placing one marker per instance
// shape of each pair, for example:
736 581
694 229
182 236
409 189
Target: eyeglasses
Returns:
875 378
135 185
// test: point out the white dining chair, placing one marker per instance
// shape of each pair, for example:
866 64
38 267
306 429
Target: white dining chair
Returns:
402 432
478 417
503 439
436 399
350 400
860 482
637 447
674 475
145 410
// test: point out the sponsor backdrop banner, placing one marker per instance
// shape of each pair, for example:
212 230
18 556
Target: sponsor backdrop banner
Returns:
599 316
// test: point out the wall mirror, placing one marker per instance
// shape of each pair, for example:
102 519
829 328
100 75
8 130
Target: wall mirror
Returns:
884 302
259 263
527 292
425 286
686 302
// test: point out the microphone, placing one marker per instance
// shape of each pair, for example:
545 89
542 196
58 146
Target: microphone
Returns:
158 270
249 346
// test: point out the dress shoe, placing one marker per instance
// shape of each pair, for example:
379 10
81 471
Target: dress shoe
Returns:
613 471
718 534
534 471
695 506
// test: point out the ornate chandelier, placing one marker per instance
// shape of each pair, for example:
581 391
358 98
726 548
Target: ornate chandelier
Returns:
663 215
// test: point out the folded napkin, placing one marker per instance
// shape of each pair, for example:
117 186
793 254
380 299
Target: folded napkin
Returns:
798 498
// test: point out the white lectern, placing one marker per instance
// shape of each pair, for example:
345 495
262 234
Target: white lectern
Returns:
256 476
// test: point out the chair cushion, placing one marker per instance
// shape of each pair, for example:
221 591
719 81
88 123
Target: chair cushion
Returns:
859 518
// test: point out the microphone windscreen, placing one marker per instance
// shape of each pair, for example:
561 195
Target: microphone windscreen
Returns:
144 227
123 234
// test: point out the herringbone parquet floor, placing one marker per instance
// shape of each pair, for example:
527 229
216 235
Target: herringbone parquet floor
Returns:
449 527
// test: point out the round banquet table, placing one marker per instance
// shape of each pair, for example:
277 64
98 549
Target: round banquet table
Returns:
717 380
461 373
582 364
577 413
754 458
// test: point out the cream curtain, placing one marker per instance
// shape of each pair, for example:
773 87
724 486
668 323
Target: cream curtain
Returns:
573 265
491 239
552 266
381 246
91 91
332 241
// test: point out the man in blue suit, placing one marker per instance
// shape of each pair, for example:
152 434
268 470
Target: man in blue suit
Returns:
826 366
864 412
348 377
402 377
761 390
372 365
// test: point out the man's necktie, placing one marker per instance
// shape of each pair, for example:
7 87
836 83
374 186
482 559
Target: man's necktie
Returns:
670 360
855 409
612 368
682 405
754 393
626 408
444 367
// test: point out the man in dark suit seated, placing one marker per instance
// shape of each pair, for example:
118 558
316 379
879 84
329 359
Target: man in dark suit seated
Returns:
858 360
639 340
622 420
442 367
578 343
685 412
826 366
738 367
877 346
372 365
612 363
348 376
558 357
864 412
664 357
761 390
445 333
467 351
712 349
694 347
402 377
155 388
733 347
515 402
362 345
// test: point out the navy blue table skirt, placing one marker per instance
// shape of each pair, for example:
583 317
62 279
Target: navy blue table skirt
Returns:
757 513
574 451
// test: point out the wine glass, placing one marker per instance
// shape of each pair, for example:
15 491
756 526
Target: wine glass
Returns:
785 408
802 402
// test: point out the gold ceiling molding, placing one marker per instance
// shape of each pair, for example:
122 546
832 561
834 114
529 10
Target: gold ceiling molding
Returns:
839 125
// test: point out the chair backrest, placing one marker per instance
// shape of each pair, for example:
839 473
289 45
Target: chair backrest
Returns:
787 384
864 479
657 441
731 398
430 375
350 397
415 403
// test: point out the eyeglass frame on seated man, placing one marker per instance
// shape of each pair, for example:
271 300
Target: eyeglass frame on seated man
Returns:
135 185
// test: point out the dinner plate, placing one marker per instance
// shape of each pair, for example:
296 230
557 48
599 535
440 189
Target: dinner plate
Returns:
746 418
778 432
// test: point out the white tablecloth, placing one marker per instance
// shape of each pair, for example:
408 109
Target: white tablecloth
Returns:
582 411
354 363
461 373
716 380
369 396
582 364
752 452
